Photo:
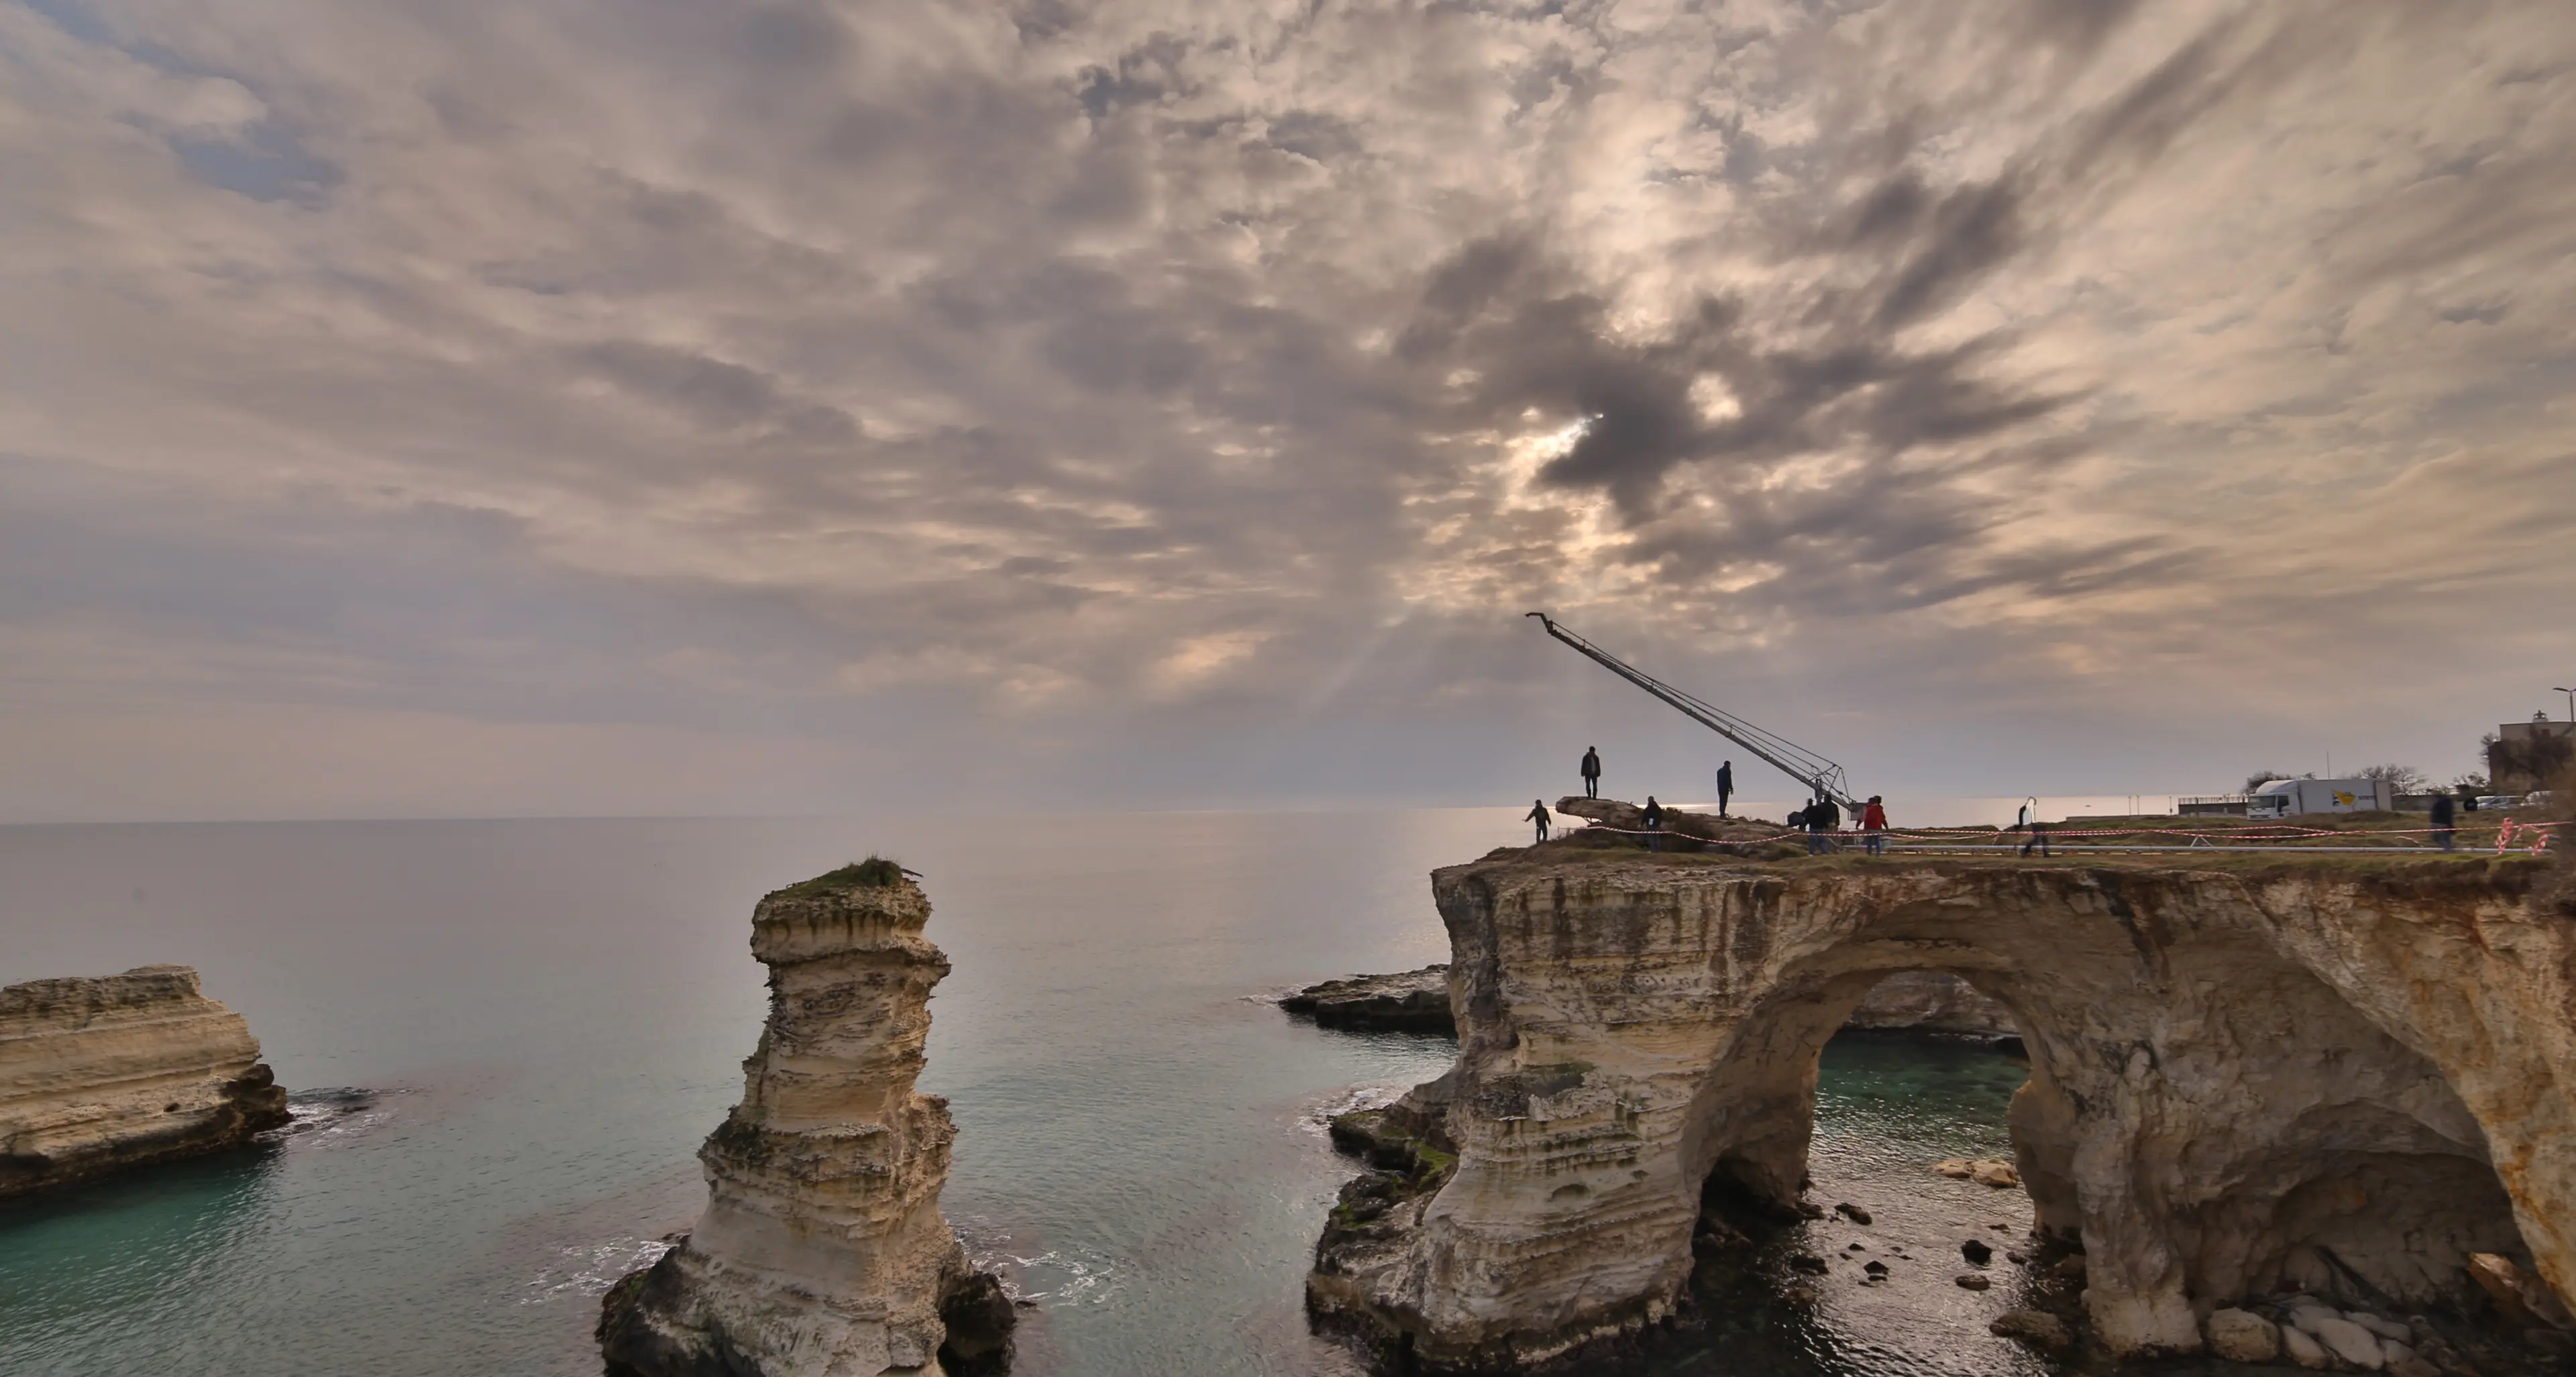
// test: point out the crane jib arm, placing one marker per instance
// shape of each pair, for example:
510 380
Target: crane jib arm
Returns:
1818 775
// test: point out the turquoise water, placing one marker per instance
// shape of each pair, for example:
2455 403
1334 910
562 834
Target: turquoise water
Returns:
550 1015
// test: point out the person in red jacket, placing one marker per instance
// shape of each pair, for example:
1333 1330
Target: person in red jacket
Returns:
1873 824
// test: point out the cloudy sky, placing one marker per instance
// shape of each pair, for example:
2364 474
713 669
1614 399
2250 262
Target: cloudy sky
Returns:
421 408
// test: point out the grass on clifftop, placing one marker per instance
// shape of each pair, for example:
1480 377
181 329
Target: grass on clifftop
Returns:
876 872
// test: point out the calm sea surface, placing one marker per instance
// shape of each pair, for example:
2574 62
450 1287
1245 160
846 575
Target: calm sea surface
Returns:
549 1015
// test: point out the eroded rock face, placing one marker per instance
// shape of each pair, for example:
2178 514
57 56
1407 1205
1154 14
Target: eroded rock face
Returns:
102 1073
1930 1002
822 1252
2332 1077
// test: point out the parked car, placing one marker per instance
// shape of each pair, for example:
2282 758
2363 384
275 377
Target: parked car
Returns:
2487 801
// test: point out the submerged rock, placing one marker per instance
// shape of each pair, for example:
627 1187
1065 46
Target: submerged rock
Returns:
822 1252
2037 1328
102 1073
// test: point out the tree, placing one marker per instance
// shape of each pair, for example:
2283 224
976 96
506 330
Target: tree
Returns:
2260 778
2402 779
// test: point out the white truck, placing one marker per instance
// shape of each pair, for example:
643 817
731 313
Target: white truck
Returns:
2284 798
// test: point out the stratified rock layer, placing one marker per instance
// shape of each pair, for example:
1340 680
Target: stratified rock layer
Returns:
2345 1078
100 1073
822 1252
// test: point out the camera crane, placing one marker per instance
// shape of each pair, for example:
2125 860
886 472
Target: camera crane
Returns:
1822 777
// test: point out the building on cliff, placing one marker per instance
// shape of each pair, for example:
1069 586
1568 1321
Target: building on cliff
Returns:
2523 756
822 1251
101 1073
2345 1079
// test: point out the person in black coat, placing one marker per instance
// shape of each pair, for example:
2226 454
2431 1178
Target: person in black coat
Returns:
2445 818
1654 816
1725 785
1538 814
1591 773
1823 818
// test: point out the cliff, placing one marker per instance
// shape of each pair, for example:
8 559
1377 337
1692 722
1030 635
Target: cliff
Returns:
100 1073
2339 1078
822 1251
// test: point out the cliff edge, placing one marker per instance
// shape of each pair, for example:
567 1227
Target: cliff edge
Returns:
822 1251
2347 1079
101 1073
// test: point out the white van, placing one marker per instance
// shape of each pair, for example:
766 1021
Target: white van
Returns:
2284 798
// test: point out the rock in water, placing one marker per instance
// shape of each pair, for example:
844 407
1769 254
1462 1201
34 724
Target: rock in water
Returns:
822 1252
2037 1328
106 1072
1407 1002
2241 1336
2301 1348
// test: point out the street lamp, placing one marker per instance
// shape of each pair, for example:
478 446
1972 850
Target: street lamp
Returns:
2571 701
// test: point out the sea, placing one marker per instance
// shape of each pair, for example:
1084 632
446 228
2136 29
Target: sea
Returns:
505 1040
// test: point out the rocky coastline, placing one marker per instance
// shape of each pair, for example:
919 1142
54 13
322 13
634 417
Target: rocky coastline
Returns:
100 1074
1913 1003
822 1251
2335 1082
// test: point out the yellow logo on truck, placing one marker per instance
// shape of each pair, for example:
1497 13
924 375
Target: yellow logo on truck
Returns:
2343 798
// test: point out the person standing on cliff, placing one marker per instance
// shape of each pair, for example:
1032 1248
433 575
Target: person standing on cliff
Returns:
1873 826
1725 785
1591 773
1654 817
1538 814
2038 834
2445 820
1823 818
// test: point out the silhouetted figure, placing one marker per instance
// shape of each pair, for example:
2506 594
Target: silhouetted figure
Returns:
1591 773
2445 816
1538 814
2038 833
1725 785
1654 824
1823 817
1873 826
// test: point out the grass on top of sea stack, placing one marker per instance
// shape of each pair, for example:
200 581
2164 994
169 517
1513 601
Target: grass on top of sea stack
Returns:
876 872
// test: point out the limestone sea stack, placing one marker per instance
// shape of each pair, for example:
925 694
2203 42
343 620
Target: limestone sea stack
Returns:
101 1073
822 1252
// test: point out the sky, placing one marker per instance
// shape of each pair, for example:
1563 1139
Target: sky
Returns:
411 408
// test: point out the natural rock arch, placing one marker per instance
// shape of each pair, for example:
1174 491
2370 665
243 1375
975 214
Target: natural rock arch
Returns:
2330 1076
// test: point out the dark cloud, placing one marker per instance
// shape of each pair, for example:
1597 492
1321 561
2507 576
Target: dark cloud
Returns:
1057 375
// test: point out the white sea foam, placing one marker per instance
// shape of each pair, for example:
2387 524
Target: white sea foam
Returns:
317 1118
1054 1277
590 1269
1317 1120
